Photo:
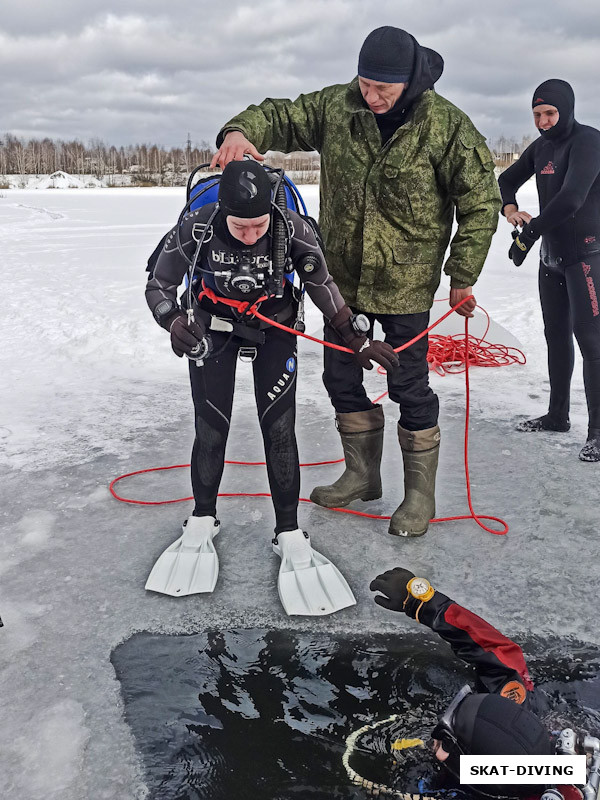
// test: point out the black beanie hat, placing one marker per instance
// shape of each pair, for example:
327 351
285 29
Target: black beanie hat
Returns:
390 55
387 55
245 190
559 94
489 724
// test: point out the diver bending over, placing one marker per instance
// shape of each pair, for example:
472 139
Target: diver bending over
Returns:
499 718
235 262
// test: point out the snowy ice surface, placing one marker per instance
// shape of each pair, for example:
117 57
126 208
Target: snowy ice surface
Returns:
90 390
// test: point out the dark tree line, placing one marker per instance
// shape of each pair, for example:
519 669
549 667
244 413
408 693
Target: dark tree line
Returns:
45 156
159 164
507 149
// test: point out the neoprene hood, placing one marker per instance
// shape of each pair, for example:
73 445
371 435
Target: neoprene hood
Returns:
559 94
245 190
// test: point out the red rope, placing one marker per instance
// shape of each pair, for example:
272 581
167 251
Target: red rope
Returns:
446 354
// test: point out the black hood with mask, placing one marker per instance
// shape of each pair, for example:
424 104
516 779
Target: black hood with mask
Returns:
245 190
489 724
391 55
559 94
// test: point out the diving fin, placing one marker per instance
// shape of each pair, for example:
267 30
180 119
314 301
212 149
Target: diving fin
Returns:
190 565
308 583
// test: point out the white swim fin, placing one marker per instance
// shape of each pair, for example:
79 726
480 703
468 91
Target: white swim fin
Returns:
190 565
308 583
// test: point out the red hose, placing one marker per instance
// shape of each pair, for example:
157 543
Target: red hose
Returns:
446 354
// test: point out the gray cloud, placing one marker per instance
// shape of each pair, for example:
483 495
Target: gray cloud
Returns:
144 70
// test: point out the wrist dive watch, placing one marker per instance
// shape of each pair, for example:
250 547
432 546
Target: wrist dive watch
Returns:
420 589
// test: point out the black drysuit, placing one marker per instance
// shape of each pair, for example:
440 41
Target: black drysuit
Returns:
273 351
566 164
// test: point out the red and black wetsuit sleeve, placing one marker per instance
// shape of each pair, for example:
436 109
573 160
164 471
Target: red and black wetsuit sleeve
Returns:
498 661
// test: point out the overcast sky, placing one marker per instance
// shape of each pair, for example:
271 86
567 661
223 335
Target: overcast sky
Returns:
152 70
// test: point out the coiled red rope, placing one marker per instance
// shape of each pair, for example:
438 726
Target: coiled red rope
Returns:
446 354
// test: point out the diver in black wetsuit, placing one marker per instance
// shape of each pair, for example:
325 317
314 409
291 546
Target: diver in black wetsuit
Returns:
232 242
566 163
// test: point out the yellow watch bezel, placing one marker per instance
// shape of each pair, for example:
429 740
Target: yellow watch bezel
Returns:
422 597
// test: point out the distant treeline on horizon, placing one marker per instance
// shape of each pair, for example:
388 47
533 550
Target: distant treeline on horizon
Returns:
44 156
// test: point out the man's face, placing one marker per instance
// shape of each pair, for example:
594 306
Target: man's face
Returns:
380 97
248 231
545 116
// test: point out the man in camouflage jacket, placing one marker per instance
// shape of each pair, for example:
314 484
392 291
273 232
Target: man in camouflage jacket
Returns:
398 162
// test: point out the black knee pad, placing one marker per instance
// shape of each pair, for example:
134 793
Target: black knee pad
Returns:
209 451
282 453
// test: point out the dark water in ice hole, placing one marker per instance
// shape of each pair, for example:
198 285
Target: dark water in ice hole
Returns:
264 715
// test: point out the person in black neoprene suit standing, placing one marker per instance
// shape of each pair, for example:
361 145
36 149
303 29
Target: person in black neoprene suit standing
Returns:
566 163
240 236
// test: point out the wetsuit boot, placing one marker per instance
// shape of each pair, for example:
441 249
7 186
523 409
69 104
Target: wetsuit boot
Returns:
545 423
591 379
420 452
591 449
361 433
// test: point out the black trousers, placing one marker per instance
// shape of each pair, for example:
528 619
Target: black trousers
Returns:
408 384
570 296
213 384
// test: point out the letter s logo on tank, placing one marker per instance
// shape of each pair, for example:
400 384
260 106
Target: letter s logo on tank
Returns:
290 364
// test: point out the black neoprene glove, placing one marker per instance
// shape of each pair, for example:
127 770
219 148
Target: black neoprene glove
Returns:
364 348
392 584
184 336
522 244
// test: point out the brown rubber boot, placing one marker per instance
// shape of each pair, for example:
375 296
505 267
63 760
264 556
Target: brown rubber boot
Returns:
420 451
361 433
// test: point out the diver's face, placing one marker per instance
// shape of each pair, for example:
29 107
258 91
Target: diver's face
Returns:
248 231
545 116
438 750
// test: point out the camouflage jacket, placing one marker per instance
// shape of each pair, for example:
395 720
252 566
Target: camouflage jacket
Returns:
386 212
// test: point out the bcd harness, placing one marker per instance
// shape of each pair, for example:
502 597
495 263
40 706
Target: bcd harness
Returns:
278 271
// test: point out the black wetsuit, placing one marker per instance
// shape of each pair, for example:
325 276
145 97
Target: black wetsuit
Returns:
567 170
273 352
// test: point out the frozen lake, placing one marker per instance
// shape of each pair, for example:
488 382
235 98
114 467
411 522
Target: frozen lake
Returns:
90 390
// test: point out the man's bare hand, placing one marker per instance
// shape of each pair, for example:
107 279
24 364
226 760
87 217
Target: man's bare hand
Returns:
516 217
234 147
456 295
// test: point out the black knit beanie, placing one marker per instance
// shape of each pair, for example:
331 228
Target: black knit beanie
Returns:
245 190
387 55
559 94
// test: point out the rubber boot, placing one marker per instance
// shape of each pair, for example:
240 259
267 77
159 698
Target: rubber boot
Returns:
361 433
420 452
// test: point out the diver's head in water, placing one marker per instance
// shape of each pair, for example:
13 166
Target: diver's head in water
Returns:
487 724
245 200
